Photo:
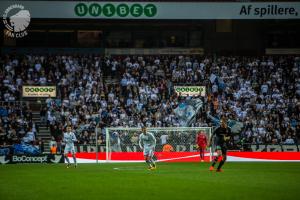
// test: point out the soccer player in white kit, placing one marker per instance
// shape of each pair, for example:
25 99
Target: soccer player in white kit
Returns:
69 139
147 143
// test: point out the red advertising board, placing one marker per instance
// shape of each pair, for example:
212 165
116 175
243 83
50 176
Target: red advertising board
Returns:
190 157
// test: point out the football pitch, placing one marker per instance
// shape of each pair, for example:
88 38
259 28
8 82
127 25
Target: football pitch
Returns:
133 181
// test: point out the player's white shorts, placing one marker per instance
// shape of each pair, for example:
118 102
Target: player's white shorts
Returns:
69 148
148 151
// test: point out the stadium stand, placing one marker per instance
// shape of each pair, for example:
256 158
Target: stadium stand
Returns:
261 92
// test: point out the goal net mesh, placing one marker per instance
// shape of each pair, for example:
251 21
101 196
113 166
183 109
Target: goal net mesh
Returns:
172 143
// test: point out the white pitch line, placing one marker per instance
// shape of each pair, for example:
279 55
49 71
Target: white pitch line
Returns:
177 158
130 168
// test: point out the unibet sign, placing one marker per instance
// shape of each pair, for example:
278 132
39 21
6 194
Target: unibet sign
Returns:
39 91
113 10
190 90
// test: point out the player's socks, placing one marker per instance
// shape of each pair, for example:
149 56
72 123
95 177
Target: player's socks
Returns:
74 159
202 155
153 163
67 159
149 163
219 170
221 164
215 161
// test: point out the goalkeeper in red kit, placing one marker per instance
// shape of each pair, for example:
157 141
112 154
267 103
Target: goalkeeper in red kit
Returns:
201 143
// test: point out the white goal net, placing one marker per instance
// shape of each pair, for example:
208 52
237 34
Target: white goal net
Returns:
172 144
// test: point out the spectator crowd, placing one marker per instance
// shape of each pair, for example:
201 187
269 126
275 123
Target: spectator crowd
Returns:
94 91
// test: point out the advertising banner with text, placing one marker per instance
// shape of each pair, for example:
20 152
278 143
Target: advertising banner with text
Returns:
42 158
156 10
118 157
190 90
39 91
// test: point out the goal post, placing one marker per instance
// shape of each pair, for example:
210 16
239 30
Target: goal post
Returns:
172 144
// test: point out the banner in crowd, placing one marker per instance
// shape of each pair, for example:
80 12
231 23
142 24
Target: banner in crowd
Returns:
190 90
42 158
25 149
236 126
186 111
39 91
282 51
156 10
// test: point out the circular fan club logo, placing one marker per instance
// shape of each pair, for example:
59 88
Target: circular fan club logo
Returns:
16 19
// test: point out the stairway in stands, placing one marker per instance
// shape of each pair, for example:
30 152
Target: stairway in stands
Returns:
43 133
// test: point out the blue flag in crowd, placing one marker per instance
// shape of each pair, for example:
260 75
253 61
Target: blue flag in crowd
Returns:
25 149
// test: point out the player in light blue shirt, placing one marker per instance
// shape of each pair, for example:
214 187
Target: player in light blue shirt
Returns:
147 143
69 139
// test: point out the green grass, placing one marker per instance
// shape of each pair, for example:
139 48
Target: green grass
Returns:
132 181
